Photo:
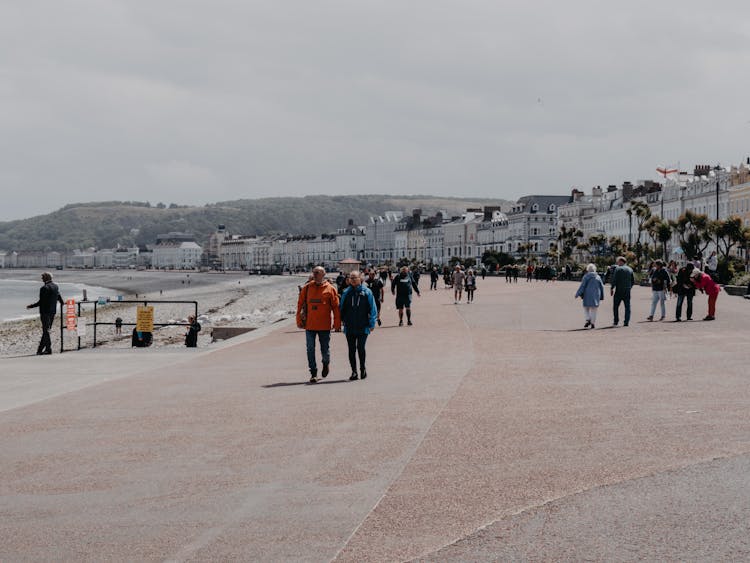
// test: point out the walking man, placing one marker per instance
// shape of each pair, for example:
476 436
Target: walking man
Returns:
402 286
377 288
685 291
659 286
318 301
622 281
358 314
49 297
434 276
458 279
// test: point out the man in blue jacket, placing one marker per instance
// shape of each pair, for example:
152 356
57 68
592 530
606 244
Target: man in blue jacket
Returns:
49 297
358 315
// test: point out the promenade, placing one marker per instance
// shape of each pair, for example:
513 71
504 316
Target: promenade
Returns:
499 430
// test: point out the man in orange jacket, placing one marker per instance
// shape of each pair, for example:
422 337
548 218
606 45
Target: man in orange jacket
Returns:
318 301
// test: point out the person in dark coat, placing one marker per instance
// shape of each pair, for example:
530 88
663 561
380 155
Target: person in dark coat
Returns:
622 281
49 297
685 291
358 316
191 336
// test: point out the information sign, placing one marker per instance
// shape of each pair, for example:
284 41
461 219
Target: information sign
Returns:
145 318
70 314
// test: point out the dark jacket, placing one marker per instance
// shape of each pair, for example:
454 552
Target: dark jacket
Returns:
358 310
191 338
622 279
49 297
683 285
660 280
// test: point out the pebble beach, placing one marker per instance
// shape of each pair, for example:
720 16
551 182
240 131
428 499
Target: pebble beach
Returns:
224 299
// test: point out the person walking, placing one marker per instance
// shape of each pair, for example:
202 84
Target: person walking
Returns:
191 336
622 281
434 277
375 285
49 297
457 279
471 285
508 273
317 308
402 287
591 291
659 287
685 291
707 285
358 315
529 272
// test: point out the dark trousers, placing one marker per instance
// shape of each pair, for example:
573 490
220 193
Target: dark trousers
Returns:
45 344
616 300
680 298
433 284
356 344
324 337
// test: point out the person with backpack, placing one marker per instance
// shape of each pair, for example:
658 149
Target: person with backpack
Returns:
402 286
358 313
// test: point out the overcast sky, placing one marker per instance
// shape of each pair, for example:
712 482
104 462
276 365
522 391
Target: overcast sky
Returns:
191 102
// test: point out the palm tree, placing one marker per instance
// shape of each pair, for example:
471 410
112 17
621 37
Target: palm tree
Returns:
641 211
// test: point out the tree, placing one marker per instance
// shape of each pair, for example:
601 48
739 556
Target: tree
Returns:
568 240
694 232
641 211
597 242
729 233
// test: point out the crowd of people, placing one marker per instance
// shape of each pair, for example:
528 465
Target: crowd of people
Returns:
666 281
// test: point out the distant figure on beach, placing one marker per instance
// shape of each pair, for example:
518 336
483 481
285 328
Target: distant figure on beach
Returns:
358 315
318 301
402 286
591 291
622 281
191 336
49 297
118 326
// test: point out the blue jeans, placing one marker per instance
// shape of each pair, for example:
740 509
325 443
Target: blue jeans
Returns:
659 297
325 339
616 300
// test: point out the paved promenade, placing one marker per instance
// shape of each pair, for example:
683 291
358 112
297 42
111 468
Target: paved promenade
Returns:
498 430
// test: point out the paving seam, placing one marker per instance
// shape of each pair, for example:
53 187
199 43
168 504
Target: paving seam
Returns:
396 477
604 486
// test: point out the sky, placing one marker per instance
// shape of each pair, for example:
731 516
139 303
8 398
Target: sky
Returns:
194 102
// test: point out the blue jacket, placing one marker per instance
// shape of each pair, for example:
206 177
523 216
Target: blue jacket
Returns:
358 310
591 289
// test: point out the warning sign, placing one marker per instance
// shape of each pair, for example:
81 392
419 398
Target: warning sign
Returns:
70 315
144 321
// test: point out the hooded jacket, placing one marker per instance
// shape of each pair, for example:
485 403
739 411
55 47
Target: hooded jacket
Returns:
322 302
358 310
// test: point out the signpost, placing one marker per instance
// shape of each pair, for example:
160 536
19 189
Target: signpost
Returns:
70 315
145 318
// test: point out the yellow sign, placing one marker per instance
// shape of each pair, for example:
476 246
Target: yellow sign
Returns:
145 318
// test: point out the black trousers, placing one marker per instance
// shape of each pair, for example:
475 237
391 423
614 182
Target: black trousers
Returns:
45 344
356 344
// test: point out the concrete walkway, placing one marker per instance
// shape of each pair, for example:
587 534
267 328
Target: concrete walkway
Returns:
492 431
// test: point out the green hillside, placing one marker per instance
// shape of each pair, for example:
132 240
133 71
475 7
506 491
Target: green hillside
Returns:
107 224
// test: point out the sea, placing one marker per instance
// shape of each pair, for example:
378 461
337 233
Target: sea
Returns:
16 294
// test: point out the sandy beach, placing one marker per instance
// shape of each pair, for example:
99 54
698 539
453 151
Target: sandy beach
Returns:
224 299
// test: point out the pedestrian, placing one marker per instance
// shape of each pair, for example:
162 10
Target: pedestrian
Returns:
434 277
377 288
402 287
707 285
622 281
358 315
118 326
685 290
516 269
712 264
484 272
591 291
529 272
49 297
415 275
659 287
191 336
317 309
457 279
508 273
471 285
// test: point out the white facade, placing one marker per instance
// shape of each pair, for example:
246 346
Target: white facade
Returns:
178 256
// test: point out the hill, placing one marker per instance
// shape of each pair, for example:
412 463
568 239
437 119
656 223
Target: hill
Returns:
107 224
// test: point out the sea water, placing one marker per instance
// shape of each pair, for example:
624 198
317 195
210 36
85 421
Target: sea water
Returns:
16 294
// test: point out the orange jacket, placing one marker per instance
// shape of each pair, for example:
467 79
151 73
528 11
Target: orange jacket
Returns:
322 302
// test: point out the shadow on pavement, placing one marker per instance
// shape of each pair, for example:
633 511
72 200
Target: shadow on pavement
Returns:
291 383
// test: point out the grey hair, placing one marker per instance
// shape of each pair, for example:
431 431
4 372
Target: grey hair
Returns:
591 268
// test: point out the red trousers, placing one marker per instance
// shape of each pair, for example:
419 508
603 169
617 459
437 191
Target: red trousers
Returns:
712 305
